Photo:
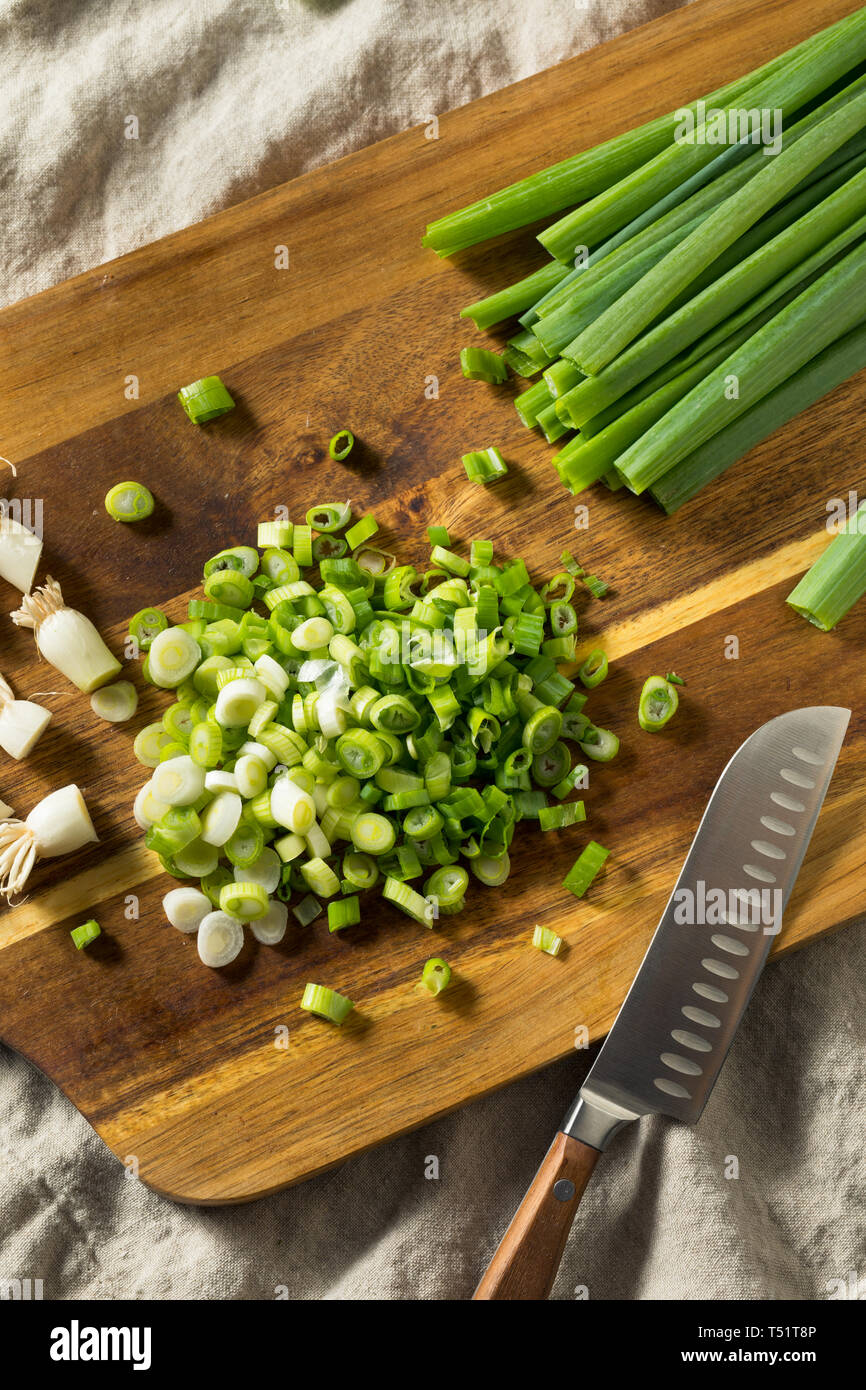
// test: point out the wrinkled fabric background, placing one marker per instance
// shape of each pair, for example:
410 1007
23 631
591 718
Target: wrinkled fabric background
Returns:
232 97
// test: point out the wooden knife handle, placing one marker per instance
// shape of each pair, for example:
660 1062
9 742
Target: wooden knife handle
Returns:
526 1262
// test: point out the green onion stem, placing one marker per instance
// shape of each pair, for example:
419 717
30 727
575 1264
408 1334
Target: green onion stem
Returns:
788 83
587 174
828 308
619 325
837 579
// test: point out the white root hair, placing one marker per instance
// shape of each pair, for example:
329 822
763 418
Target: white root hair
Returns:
19 851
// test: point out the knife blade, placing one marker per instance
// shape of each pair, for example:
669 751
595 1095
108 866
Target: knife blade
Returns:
676 1024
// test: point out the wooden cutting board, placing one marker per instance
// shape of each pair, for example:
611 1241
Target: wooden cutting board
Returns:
177 1067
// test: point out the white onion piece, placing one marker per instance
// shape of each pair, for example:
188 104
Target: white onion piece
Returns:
173 656
238 701
266 871
61 823
317 670
20 550
291 806
219 820
146 809
197 859
186 907
218 781
318 844
331 714
178 781
220 939
312 633
288 847
271 928
272 676
22 724
258 750
115 703
251 775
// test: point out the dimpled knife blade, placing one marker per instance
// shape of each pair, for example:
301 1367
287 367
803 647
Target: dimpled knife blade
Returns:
678 1020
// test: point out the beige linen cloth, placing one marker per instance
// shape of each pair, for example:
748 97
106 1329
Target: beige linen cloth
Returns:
232 97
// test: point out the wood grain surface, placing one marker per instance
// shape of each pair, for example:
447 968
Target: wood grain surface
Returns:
175 1065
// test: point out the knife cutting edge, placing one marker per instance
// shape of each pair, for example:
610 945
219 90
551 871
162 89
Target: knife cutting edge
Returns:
673 1031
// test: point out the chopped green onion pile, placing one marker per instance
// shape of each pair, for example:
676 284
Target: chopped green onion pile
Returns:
356 728
683 267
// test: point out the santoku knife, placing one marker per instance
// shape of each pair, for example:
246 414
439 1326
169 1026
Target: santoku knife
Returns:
672 1034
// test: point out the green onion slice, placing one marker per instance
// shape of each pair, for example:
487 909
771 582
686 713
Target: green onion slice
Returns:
361 531
360 870
115 703
485 465
447 887
594 669
129 502
480 364
340 445
145 625
436 975
326 1003
87 932
585 868
545 939
238 557
491 871
205 400
658 703
408 901
599 744
345 912
329 516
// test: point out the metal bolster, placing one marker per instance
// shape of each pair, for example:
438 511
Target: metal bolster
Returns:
594 1122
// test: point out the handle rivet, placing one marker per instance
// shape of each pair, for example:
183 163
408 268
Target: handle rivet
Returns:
563 1190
